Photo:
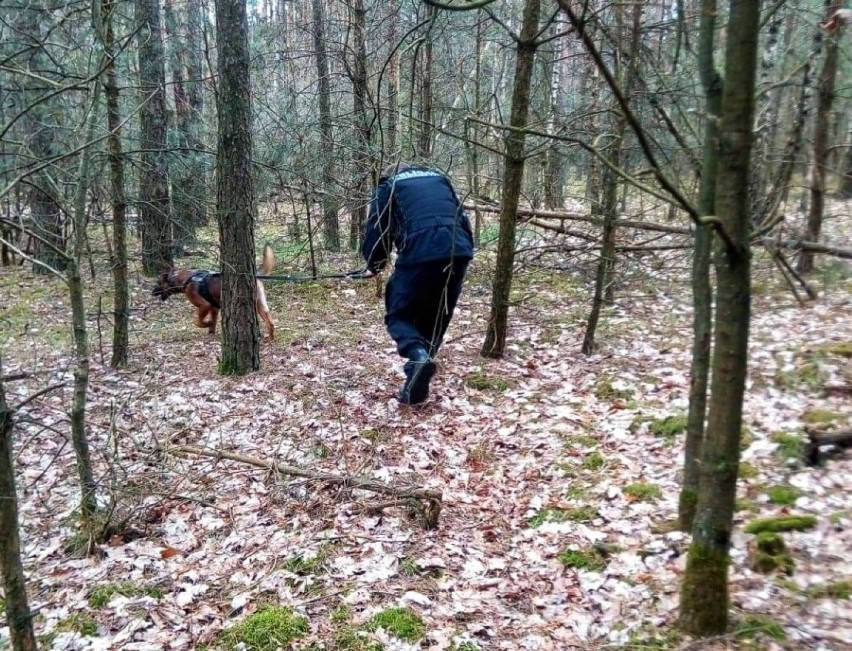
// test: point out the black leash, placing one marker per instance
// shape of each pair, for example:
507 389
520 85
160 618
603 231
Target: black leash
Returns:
359 274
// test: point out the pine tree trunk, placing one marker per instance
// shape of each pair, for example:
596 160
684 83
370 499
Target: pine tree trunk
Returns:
197 159
513 175
704 591
182 175
47 217
702 291
18 616
819 163
331 226
424 146
360 93
121 300
235 193
471 131
153 209
392 112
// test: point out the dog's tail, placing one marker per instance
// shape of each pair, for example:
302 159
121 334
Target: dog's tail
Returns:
268 263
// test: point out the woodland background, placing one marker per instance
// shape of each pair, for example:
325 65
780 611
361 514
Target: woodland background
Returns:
646 180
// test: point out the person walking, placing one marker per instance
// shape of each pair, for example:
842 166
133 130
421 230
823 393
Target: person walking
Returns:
416 210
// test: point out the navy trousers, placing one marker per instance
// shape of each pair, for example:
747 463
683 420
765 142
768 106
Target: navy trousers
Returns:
420 301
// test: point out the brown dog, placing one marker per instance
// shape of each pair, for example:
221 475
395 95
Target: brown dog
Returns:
204 290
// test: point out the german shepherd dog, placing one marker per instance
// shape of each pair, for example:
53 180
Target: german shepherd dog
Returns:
204 290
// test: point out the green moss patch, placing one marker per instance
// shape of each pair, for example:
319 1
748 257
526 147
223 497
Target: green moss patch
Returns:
79 623
841 349
790 446
100 595
841 589
669 427
268 629
588 559
807 374
769 554
754 626
746 437
467 645
746 505
584 440
783 494
643 492
747 470
577 514
375 436
593 461
351 639
307 565
821 417
781 523
604 389
481 381
403 623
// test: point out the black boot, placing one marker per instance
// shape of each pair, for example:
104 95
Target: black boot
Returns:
418 373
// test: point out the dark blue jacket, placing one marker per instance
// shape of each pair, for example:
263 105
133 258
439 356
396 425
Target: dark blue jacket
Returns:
417 211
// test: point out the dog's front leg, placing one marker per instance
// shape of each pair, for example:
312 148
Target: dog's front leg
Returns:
200 321
214 315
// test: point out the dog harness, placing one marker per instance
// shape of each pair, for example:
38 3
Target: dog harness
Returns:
199 279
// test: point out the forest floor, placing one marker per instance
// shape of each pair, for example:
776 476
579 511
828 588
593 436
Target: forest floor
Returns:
559 472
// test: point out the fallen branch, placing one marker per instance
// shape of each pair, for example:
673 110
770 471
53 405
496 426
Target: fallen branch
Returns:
788 270
14 377
427 502
534 217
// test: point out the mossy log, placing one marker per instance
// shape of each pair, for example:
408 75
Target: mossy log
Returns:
781 523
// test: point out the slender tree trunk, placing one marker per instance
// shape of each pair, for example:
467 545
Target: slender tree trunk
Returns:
392 113
825 99
609 199
424 147
778 191
472 152
121 300
704 591
18 615
513 175
702 291
88 503
197 159
554 168
607 255
235 193
845 191
153 174
331 226
360 92
44 194
182 199
766 117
